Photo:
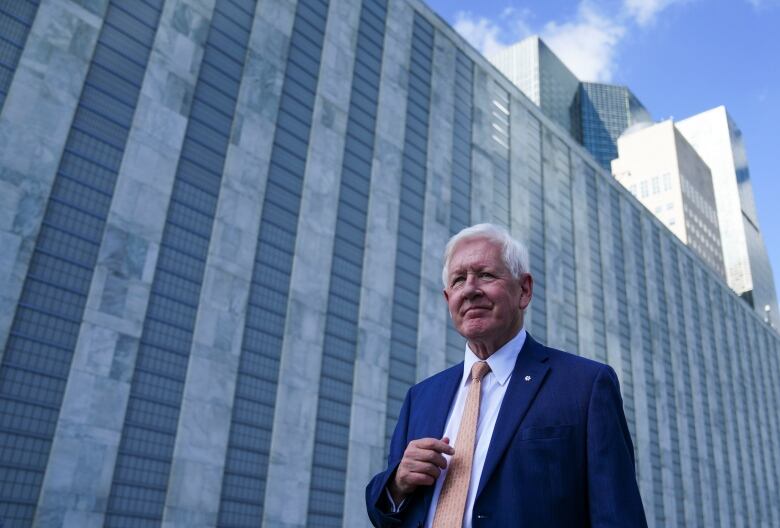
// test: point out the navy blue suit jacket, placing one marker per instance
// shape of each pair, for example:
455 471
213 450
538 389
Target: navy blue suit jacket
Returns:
560 456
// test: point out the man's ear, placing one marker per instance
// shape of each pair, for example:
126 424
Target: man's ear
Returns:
446 295
526 290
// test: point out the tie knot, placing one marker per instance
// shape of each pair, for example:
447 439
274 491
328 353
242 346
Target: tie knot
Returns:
479 370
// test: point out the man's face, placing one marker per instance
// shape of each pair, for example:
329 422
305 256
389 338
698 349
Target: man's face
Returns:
486 303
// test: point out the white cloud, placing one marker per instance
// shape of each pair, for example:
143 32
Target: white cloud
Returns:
490 37
587 44
481 32
644 12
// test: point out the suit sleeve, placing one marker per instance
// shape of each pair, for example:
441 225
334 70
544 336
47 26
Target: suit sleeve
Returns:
613 493
377 504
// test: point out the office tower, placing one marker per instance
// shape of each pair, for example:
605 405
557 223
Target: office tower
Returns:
666 174
605 111
719 142
542 77
222 225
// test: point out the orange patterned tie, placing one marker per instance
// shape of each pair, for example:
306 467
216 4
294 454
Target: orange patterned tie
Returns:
452 500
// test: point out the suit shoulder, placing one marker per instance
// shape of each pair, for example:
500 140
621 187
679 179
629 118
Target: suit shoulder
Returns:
434 382
569 361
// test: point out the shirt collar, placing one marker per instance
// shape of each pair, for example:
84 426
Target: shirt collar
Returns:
502 361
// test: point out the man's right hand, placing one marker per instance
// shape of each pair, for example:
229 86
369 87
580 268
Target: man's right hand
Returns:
421 465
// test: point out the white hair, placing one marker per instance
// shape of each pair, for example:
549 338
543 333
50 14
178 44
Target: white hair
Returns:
513 252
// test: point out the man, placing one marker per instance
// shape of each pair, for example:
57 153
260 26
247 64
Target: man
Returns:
518 434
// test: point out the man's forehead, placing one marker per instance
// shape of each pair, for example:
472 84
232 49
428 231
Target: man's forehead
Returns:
476 252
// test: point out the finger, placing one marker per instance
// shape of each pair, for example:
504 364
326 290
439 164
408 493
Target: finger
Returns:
420 479
433 444
424 467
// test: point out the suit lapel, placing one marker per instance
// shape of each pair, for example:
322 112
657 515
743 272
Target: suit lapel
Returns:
439 401
531 366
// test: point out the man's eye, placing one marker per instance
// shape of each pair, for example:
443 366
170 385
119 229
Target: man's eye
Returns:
456 280
485 275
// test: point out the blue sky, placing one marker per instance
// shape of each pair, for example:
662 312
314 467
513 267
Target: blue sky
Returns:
680 57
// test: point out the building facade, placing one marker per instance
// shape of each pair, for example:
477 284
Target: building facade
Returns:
665 173
605 111
222 225
718 140
533 67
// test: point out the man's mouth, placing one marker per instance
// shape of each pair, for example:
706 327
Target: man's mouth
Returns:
475 308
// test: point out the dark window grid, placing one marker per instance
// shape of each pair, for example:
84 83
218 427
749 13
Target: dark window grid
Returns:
195 150
309 12
378 9
94 150
368 74
296 93
176 261
404 339
111 57
334 406
74 221
222 35
191 207
370 21
261 368
284 187
245 489
303 29
267 277
227 69
87 171
345 306
81 196
416 109
31 386
359 170
308 61
37 355
247 461
361 121
17 452
17 14
370 41
243 11
354 213
20 486
212 105
341 328
46 324
65 303
157 386
65 248
27 419
332 433
146 11
253 388
360 146
267 319
339 365
294 126
251 412
144 471
122 33
205 133
171 315
250 433
58 272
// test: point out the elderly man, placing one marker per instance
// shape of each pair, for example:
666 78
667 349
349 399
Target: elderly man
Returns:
518 434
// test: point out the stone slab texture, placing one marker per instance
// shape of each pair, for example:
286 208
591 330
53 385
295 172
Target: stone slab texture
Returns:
698 367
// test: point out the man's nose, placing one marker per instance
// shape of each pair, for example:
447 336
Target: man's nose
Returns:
472 287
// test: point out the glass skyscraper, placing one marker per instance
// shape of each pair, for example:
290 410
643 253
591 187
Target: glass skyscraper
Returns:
604 112
222 225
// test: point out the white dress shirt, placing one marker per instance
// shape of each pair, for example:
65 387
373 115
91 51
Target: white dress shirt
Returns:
494 385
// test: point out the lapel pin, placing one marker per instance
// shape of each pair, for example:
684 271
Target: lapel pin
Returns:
528 378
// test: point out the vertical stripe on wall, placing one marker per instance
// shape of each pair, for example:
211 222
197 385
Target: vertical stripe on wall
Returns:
406 287
702 389
145 450
16 18
624 329
246 465
647 364
738 411
669 374
685 372
568 264
460 186
597 282
536 252
718 408
500 129
331 440
43 335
